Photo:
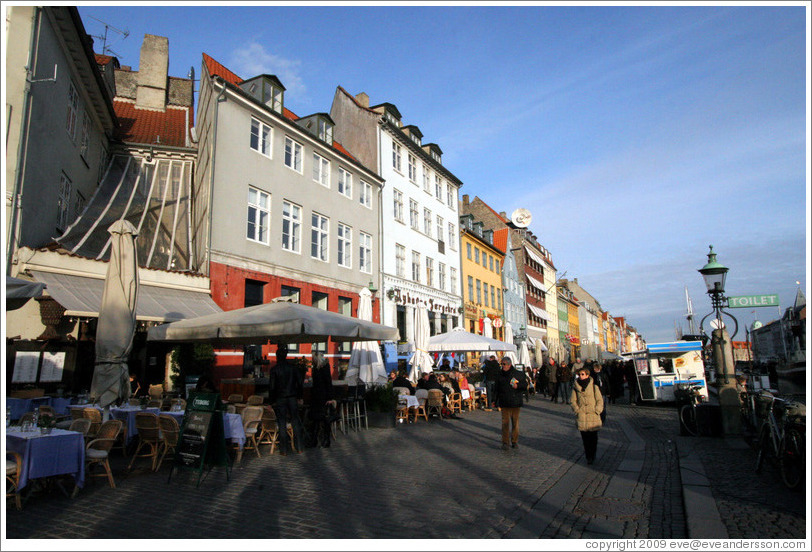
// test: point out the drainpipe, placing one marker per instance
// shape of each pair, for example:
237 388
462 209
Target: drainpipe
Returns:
213 146
380 231
22 148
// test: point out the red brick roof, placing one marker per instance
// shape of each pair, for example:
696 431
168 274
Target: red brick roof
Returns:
146 126
500 238
103 60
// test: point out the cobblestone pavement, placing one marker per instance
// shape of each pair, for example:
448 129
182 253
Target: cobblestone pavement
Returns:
441 479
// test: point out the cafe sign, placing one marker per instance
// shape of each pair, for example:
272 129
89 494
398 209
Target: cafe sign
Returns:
748 301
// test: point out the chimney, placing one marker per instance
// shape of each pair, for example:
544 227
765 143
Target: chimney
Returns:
153 71
465 200
362 99
503 214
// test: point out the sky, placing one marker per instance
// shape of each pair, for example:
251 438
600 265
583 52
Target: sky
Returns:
636 135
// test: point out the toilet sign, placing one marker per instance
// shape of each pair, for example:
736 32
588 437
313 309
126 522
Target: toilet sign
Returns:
749 301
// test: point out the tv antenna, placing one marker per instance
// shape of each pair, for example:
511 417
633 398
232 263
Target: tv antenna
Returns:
103 38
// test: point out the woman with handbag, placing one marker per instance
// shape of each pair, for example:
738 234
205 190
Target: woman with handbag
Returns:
587 403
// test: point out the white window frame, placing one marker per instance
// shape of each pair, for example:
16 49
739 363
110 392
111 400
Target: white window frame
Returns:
397 198
365 194
345 182
427 222
453 280
441 276
452 236
293 155
292 219
85 142
413 215
426 178
321 170
320 237
344 250
429 272
396 157
73 110
438 187
411 161
416 266
450 195
440 229
264 137
365 252
259 209
400 261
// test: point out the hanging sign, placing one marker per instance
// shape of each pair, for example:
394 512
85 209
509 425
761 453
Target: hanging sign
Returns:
749 301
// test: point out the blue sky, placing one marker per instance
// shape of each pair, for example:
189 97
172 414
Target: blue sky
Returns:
635 135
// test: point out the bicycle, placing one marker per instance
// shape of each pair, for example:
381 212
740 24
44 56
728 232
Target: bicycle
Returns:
781 439
688 412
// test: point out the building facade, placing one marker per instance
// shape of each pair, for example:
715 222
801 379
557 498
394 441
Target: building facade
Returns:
482 277
515 305
420 261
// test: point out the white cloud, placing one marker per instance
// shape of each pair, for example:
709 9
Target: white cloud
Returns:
254 60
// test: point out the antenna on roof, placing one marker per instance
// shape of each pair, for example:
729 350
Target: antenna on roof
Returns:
105 48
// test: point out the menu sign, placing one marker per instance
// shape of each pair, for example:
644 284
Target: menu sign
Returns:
202 438
52 366
193 441
25 367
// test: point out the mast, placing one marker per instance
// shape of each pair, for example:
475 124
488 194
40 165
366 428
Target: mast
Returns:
690 313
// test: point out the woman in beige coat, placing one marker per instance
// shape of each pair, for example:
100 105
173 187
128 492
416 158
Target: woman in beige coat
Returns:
587 403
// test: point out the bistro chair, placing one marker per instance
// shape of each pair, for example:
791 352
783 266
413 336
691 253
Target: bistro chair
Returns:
155 403
77 412
255 400
95 417
269 430
434 403
454 403
82 425
98 450
149 436
402 390
235 398
422 396
14 466
252 422
134 401
156 392
170 431
48 410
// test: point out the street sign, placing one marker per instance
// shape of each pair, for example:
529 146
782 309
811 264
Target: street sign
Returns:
748 301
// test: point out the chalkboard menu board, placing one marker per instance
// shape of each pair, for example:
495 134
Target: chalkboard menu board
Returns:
202 442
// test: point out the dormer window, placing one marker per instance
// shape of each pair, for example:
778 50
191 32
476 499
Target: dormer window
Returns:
435 152
268 90
276 99
325 131
414 133
319 125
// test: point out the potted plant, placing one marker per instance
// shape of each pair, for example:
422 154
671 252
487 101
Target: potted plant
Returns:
381 401
46 424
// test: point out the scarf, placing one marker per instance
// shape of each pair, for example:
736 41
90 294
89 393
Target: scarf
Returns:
583 383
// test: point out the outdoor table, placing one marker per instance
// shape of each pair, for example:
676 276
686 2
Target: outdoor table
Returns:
57 453
21 406
124 413
411 400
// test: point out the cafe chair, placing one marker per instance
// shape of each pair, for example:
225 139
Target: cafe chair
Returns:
420 411
149 437
231 409
95 417
98 450
48 410
252 422
434 403
179 402
255 400
454 403
235 398
133 401
170 431
156 391
14 466
269 430
82 425
402 390
402 412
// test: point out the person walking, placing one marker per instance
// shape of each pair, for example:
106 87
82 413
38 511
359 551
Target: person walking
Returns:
587 403
286 392
509 387
601 380
490 373
564 377
552 380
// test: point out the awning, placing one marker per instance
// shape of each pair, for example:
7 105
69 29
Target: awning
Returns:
541 313
81 296
535 283
535 256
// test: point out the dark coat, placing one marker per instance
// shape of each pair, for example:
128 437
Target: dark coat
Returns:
602 382
285 381
401 381
491 370
506 395
322 387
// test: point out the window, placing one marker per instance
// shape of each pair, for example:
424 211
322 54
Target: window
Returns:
276 99
452 192
413 214
498 270
493 296
365 197
259 215
452 237
78 205
426 180
470 288
499 299
415 266
321 170
260 137
73 111
476 255
345 308
63 201
400 261
440 228
429 271
453 287
291 227
438 187
85 135
288 291
412 168
319 232
344 245
398 199
427 222
396 156
293 155
485 289
479 292
344 182
325 131
254 293
365 252
468 250
441 276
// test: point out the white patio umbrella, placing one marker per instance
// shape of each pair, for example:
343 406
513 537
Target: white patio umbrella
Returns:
524 354
509 339
421 360
458 340
116 325
19 291
365 364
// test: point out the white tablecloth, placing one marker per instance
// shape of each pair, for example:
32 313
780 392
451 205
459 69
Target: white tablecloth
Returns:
411 401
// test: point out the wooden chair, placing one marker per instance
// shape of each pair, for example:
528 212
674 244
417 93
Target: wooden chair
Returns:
156 392
402 412
420 411
434 403
170 431
98 450
14 467
235 398
269 430
149 436
252 422
255 400
231 409
454 403
402 390
77 412
82 425
155 403
95 417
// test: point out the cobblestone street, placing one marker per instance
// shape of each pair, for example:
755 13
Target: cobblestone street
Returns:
441 479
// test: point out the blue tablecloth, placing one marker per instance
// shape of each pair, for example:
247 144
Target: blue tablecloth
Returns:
60 452
124 413
21 406
232 426
61 405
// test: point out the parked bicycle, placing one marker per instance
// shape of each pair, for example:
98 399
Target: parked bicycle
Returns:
688 412
782 438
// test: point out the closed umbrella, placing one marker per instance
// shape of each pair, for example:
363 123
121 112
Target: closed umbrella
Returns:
366 364
509 339
524 354
487 328
539 353
421 360
116 325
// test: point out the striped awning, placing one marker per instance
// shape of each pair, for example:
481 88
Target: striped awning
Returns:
541 313
535 256
535 283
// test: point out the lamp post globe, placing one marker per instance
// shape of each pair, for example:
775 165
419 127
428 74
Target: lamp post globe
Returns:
714 274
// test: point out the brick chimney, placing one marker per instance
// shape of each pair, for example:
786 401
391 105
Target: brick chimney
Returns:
153 71
363 99
465 200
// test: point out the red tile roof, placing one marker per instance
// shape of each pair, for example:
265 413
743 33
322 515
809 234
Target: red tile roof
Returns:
146 126
103 60
500 238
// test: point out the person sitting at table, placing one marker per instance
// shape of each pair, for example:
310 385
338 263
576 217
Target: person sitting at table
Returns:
401 381
462 380
446 365
135 385
445 381
423 382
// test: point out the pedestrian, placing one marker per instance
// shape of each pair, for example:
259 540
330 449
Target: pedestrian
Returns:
509 387
631 380
286 392
321 401
587 403
552 379
564 377
541 380
490 373
602 382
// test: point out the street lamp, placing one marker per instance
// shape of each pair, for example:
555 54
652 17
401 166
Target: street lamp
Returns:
715 274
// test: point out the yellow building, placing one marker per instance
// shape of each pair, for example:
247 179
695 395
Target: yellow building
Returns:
575 328
481 279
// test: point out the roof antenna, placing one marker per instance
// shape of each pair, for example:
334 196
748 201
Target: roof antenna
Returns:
103 38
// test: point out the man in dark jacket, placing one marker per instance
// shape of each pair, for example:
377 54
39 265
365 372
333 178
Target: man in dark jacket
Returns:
601 380
510 384
490 373
286 392
321 399
402 381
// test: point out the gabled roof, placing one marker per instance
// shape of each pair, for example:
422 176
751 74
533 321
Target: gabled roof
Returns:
104 60
500 238
146 126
